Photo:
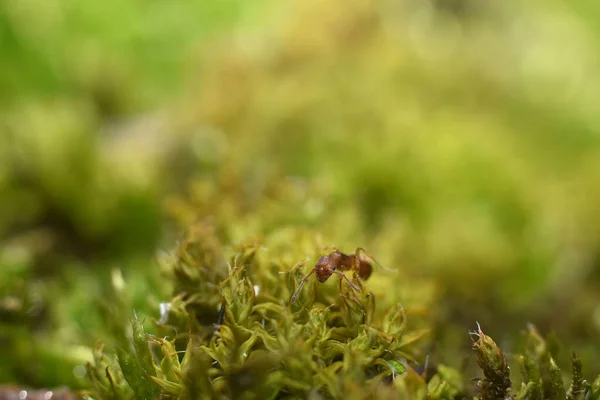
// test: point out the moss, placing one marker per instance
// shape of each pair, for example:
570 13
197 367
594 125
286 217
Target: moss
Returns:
388 125
493 362
578 385
264 347
327 344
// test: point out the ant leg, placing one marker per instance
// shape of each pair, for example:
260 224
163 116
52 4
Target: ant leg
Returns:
340 288
221 316
352 285
358 279
362 250
220 319
302 282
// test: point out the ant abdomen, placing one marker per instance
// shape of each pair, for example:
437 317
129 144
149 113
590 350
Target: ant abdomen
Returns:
364 269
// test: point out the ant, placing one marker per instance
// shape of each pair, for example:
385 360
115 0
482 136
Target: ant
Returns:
336 262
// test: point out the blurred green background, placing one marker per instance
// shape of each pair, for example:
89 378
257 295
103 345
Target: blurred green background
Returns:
457 140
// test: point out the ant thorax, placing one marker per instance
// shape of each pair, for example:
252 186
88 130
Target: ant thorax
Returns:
342 261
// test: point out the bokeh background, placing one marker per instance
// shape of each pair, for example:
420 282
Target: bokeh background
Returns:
457 140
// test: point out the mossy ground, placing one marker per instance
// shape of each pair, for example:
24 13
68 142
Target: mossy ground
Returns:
231 332
456 141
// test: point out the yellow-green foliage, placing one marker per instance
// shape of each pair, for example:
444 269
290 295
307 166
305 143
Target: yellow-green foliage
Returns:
450 140
326 343
234 334
457 141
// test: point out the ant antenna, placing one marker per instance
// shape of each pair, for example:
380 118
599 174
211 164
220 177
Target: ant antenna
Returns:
362 250
328 248
302 282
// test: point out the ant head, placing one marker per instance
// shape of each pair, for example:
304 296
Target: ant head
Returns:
323 269
323 274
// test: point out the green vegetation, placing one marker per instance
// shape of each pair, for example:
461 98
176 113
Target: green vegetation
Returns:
457 141
326 345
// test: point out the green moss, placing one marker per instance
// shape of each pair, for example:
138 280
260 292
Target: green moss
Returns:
233 334
496 384
264 347
390 125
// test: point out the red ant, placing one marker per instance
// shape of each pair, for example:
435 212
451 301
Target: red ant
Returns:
336 262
